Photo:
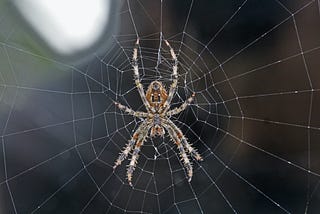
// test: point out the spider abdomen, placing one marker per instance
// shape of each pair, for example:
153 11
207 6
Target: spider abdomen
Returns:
156 95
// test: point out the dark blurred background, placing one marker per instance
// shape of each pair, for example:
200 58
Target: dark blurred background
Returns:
253 65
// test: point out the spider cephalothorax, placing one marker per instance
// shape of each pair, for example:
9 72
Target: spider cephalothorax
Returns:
157 118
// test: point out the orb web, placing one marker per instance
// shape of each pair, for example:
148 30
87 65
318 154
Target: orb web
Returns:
253 68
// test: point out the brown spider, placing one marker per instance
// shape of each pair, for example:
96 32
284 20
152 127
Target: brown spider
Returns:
157 118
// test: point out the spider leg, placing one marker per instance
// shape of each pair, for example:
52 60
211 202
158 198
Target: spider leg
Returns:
174 83
184 157
130 111
182 107
192 151
137 76
135 154
124 154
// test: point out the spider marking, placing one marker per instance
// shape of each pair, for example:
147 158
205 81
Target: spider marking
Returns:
157 118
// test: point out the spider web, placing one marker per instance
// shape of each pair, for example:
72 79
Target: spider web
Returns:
255 121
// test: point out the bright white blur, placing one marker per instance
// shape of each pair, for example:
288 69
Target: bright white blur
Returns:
67 26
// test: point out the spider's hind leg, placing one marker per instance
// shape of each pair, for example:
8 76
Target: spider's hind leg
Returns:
136 76
174 83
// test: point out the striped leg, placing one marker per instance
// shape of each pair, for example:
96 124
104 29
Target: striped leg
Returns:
174 83
184 157
130 111
137 76
192 151
135 154
126 150
124 154
182 107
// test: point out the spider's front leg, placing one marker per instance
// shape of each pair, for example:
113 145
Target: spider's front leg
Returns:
186 162
135 153
192 151
126 150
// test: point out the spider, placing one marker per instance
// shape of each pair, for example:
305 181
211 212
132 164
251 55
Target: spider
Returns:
157 118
